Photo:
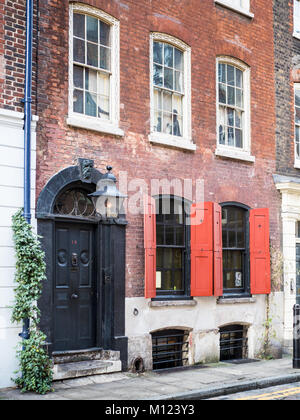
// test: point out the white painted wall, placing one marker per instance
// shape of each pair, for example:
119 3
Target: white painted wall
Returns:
11 199
203 320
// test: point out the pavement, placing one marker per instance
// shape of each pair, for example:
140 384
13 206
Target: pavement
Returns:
193 383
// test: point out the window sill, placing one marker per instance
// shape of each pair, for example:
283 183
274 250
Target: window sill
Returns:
166 303
234 154
172 141
229 301
296 35
228 5
297 164
95 125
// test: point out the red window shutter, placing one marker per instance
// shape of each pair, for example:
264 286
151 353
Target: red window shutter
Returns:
150 246
202 249
218 251
260 271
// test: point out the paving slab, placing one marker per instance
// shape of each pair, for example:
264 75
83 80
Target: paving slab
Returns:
191 383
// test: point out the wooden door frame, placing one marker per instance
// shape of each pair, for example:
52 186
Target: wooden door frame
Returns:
115 268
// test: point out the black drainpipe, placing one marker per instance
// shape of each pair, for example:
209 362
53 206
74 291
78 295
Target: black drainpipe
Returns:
27 129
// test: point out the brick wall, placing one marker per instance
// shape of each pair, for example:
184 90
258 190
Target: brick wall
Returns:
210 31
12 53
287 61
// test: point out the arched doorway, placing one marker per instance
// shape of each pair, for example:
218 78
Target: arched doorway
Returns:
85 282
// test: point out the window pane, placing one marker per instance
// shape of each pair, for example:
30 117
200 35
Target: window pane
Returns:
177 104
103 107
78 101
168 55
167 282
78 76
180 236
230 95
104 58
159 257
178 60
157 75
92 54
238 138
230 117
157 99
222 73
297 116
239 98
168 258
103 84
222 94
239 78
157 52
92 29
230 134
238 119
91 80
178 81
90 104
178 280
167 123
168 79
158 121
222 135
170 236
167 101
104 34
230 75
177 124
160 234
79 50
297 97
79 25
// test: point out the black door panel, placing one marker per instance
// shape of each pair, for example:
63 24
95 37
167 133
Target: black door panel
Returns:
74 288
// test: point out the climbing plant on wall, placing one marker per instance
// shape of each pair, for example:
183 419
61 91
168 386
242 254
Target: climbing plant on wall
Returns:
35 365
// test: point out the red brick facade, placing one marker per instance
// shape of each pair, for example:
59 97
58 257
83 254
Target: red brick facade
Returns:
210 31
12 54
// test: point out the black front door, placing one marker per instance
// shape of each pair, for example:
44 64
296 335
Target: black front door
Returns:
75 294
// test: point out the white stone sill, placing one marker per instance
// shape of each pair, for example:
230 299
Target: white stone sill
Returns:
234 154
296 35
172 141
94 125
229 301
297 162
227 4
164 303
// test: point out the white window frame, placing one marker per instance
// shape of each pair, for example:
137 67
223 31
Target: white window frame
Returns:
84 121
297 159
296 19
184 142
240 6
231 151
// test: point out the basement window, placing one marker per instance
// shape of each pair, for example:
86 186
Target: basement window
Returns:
169 349
233 342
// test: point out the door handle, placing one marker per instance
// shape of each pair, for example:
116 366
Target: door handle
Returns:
74 260
74 296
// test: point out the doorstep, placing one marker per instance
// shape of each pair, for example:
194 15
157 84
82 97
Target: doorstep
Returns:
82 363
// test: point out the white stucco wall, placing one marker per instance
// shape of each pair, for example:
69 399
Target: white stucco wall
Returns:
290 214
203 320
11 199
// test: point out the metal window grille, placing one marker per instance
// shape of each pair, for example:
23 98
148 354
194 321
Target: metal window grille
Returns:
233 342
169 349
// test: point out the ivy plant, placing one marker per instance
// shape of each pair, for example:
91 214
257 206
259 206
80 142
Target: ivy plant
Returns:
35 364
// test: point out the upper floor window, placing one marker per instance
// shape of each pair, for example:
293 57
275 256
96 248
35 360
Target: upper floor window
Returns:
94 69
297 124
170 92
233 110
297 18
241 6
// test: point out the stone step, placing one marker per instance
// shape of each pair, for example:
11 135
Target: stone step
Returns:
63 371
85 355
